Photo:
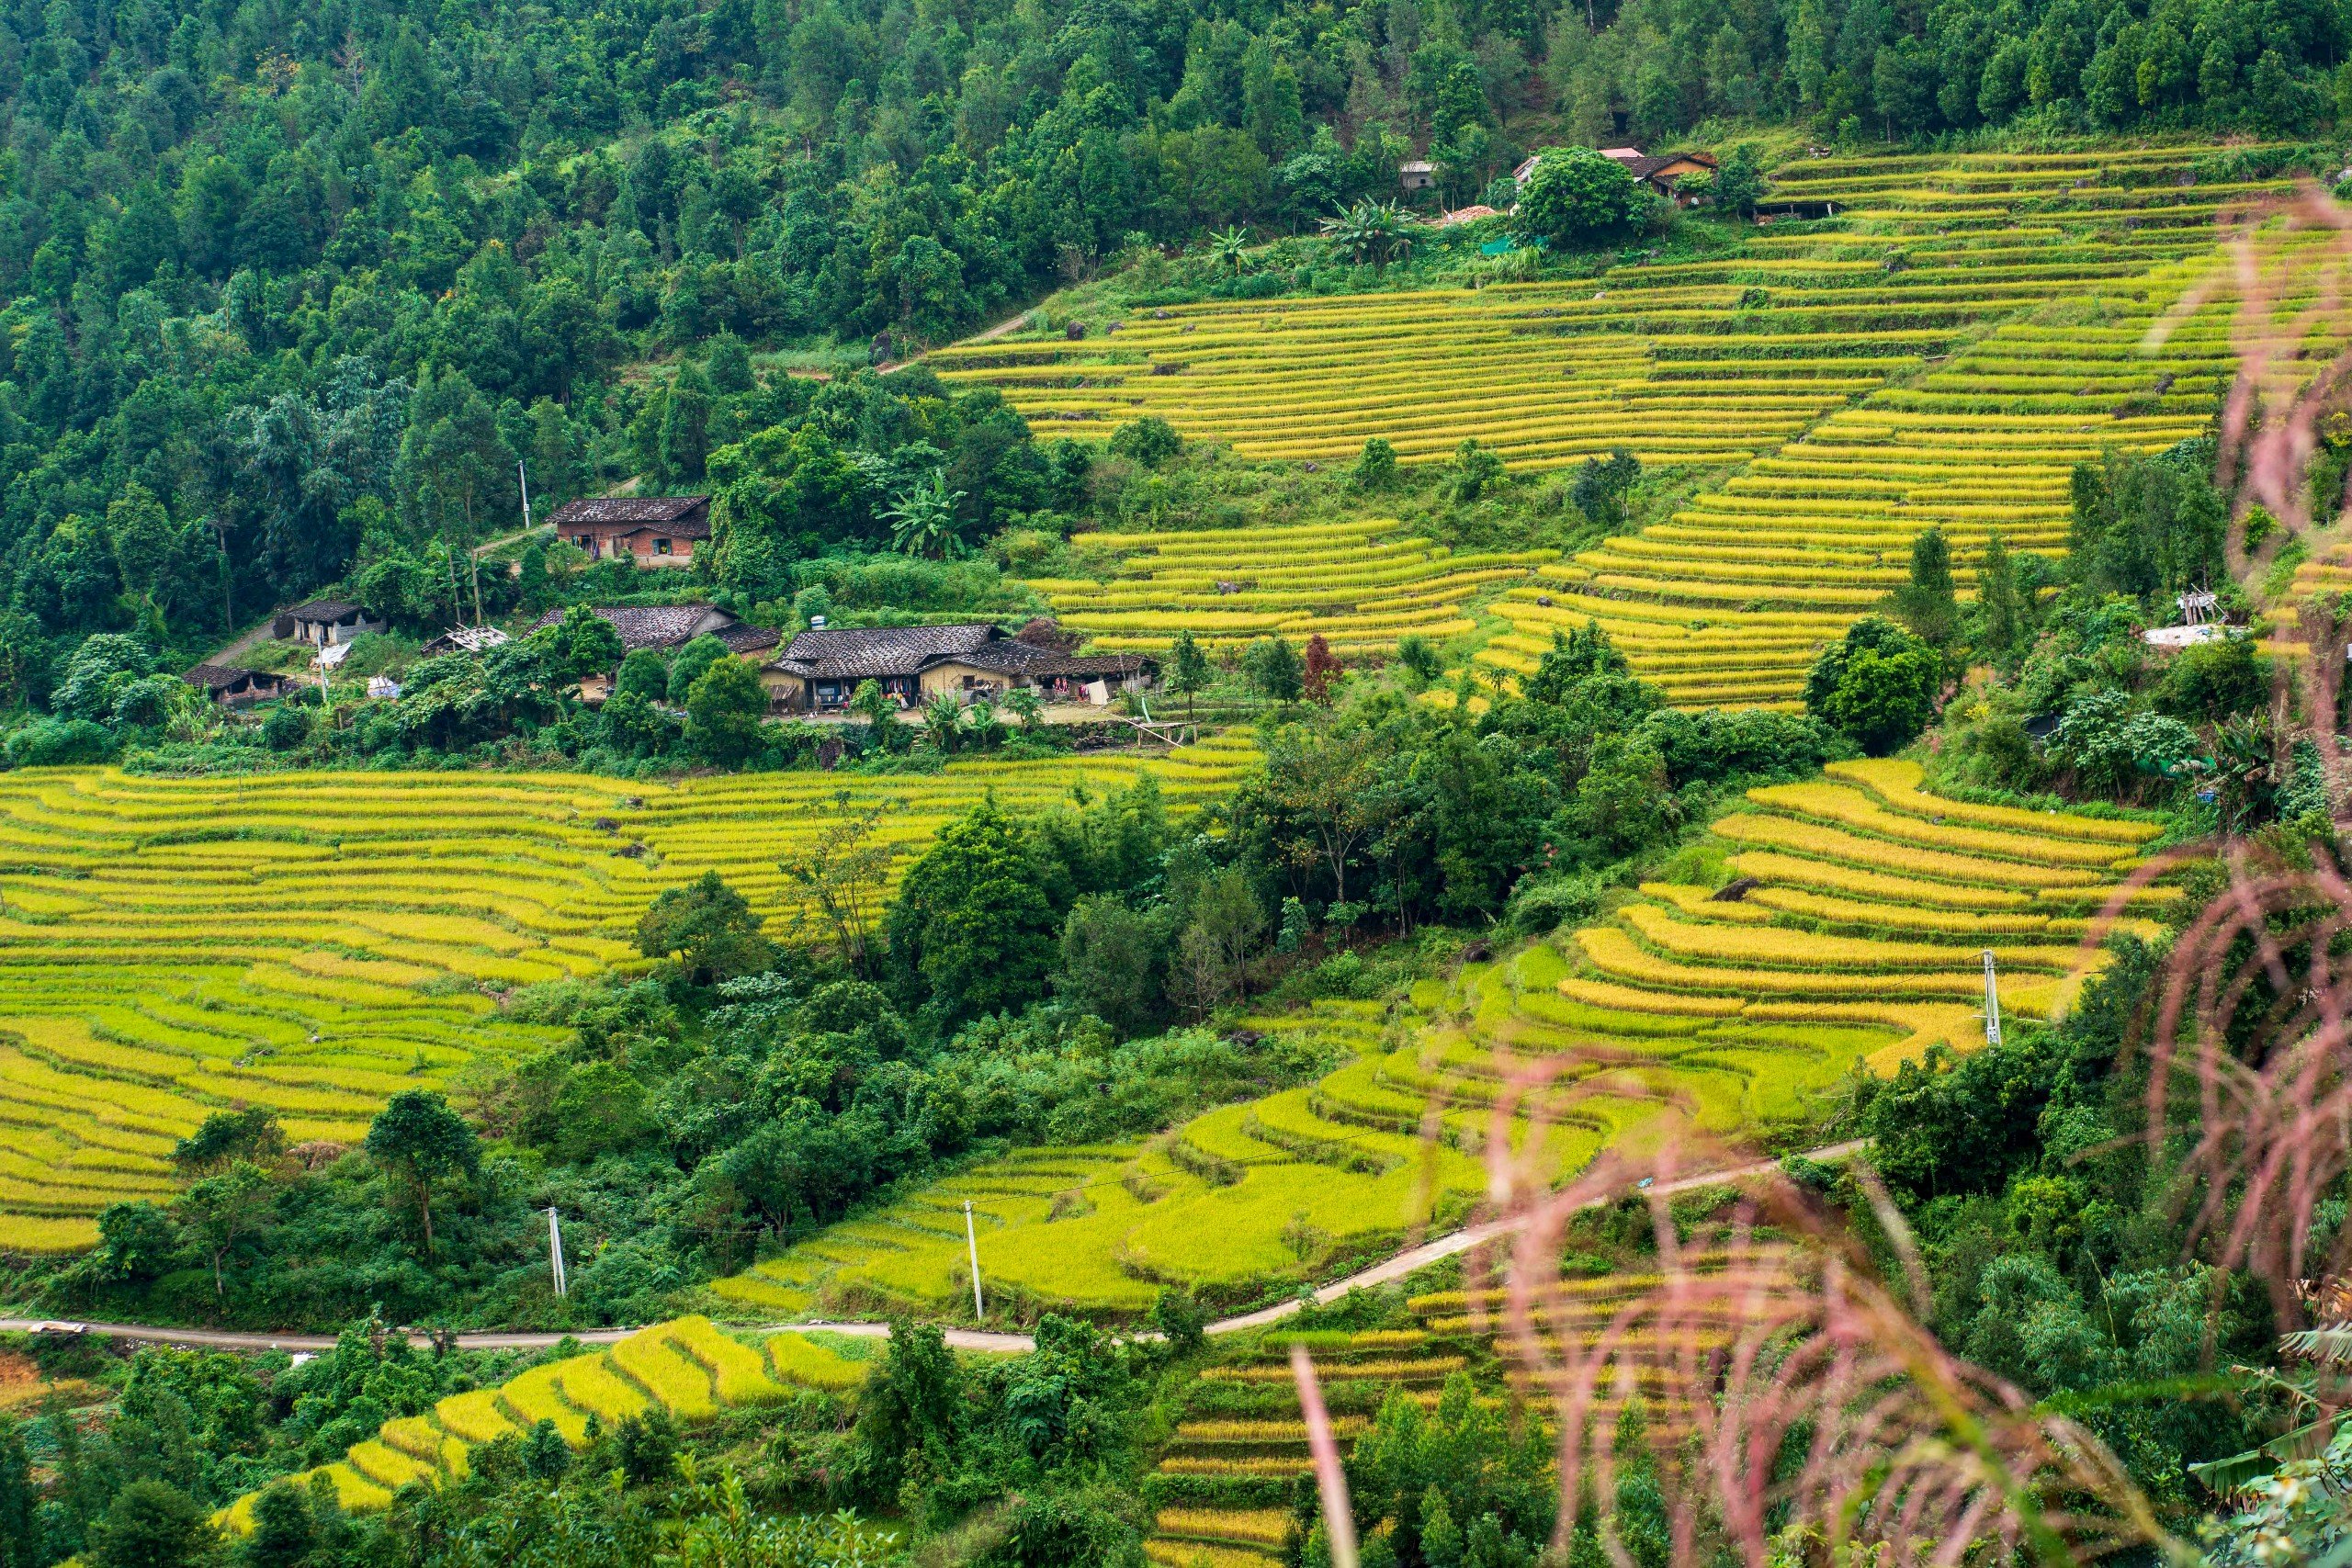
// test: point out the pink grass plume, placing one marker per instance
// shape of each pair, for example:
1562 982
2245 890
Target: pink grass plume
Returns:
1338 1523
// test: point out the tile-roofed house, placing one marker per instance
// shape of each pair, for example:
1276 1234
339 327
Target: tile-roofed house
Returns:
658 626
655 625
323 621
823 667
653 530
234 687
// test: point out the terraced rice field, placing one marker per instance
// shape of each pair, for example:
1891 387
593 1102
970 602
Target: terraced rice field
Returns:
1726 603
1360 585
1864 909
687 1368
315 942
1700 363
1221 1491
1940 353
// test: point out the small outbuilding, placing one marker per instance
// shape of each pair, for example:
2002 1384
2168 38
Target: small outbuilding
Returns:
234 687
652 530
322 622
1660 173
1417 173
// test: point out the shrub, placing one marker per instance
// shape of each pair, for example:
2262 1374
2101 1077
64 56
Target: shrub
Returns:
1150 441
1574 195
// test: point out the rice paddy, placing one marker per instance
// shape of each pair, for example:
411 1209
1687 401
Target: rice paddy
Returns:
1702 363
687 1368
1937 352
1360 586
1221 1489
1849 926
316 942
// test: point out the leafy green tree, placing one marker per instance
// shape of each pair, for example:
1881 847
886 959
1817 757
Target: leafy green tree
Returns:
1375 468
1273 666
1188 670
1115 962
706 929
724 710
693 661
1603 488
1150 441
1878 685
21 1545
152 1524
420 1144
283 1533
456 472
136 1241
221 1210
1226 932
1476 469
590 645
1574 196
972 931
2004 613
251 1134
643 675
1928 604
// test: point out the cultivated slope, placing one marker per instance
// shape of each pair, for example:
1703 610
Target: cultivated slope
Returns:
315 942
687 1368
1860 940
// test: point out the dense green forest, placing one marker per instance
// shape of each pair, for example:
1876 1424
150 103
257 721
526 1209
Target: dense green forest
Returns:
288 292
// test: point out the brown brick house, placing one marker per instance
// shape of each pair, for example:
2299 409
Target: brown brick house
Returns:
652 530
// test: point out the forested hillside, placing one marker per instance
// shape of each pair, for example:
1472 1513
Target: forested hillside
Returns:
290 289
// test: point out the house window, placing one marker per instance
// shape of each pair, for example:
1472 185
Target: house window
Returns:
660 547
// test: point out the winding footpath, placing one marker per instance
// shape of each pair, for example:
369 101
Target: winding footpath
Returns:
1397 1267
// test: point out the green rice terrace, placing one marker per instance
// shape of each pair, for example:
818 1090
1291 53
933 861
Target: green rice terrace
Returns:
1938 352
1822 925
316 943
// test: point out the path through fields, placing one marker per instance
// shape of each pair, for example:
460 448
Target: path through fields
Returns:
1394 1269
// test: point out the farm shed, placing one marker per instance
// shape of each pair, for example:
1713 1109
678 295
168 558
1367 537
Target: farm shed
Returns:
323 621
1660 173
234 687
653 530
1417 173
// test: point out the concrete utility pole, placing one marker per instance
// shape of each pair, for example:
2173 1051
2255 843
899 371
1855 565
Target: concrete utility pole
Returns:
1992 1003
972 1245
555 1254
523 474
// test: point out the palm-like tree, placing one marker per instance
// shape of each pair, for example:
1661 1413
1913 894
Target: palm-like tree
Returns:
942 718
1372 232
923 518
986 725
1227 246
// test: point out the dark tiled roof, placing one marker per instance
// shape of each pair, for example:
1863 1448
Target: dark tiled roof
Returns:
1094 666
220 677
856 653
748 640
689 528
655 625
325 610
630 509
1010 657
1643 168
